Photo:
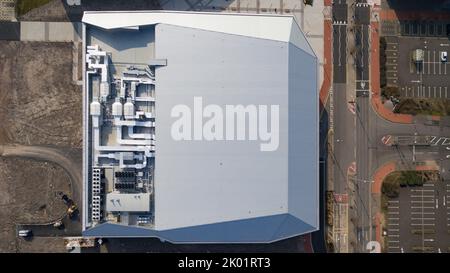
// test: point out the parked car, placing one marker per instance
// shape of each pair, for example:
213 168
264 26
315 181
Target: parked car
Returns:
25 233
444 56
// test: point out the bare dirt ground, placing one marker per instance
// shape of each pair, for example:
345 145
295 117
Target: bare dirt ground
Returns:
39 107
58 10
28 197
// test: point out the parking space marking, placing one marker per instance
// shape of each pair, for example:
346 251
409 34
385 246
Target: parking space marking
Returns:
434 57
420 196
424 212
422 224
414 201
393 247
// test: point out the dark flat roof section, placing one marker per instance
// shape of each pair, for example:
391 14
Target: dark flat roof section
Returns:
10 31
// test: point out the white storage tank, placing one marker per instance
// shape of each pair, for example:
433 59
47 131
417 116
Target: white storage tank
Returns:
95 108
128 110
117 109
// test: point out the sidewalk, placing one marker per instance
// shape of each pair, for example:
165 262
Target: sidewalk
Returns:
375 81
327 62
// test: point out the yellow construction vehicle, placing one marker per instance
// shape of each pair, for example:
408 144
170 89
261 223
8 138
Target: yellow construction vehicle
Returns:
72 209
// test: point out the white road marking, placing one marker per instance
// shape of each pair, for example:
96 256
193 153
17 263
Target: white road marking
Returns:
420 196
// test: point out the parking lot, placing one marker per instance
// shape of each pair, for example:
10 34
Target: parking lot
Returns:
415 28
419 219
429 78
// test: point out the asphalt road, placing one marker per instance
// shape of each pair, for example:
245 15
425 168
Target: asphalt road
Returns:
344 132
358 137
364 136
339 11
362 60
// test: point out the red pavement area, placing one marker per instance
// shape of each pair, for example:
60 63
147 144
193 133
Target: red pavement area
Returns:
327 2
326 84
307 243
375 77
380 175
378 178
378 225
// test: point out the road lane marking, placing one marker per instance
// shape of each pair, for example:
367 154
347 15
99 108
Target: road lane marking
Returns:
434 67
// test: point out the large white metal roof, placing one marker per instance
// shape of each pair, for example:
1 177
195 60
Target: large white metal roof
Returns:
222 191
277 28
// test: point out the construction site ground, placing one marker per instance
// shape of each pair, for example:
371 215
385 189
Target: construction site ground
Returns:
40 140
